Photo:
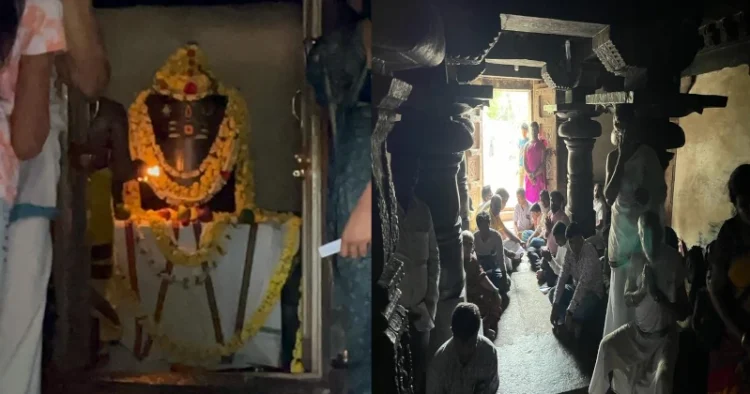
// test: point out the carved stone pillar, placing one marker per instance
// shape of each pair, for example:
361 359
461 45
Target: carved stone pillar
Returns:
390 321
579 133
434 129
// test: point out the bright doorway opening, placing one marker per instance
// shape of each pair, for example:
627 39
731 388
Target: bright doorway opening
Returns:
502 140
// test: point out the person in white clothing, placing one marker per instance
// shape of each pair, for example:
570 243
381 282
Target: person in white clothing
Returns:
635 184
552 263
579 289
522 214
488 245
645 349
29 256
467 363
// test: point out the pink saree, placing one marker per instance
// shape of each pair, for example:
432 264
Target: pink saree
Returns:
534 158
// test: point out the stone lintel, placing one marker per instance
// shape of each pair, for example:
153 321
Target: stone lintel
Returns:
558 27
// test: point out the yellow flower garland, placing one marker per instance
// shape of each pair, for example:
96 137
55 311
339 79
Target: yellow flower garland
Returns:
297 365
209 247
188 353
229 151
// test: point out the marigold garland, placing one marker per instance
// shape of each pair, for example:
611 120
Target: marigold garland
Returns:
297 365
186 77
210 246
189 353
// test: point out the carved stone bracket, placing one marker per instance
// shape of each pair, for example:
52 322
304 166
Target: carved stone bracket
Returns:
648 54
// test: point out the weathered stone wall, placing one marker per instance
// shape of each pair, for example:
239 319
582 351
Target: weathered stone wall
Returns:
255 48
717 141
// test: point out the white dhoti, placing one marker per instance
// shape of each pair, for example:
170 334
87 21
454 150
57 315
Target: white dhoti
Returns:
23 295
647 361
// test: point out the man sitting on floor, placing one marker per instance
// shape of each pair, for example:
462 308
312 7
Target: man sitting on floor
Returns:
511 243
466 363
582 265
522 214
533 238
552 264
488 244
646 349
480 290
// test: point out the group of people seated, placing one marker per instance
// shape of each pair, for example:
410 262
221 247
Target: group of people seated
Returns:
648 307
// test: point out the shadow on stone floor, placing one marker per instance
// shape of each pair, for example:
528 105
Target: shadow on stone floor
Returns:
531 358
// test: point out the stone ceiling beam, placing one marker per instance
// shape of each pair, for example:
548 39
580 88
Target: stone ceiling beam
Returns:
507 71
557 27
525 49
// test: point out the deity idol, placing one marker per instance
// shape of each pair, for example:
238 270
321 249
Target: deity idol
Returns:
187 130
186 229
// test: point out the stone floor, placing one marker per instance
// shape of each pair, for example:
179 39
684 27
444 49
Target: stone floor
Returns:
532 360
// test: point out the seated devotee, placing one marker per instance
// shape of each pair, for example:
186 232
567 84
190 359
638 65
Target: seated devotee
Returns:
556 214
512 244
583 266
418 249
646 349
544 202
466 363
534 235
483 207
533 239
522 213
480 290
488 245
552 264
502 192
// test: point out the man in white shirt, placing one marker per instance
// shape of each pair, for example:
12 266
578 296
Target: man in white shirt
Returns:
488 245
645 349
522 213
552 264
583 267
466 363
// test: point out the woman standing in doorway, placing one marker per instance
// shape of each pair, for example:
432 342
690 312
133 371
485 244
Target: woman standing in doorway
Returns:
534 163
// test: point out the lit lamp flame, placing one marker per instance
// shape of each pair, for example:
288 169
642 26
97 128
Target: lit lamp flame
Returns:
154 171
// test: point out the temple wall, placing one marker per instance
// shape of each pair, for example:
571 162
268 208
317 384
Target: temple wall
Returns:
255 48
717 141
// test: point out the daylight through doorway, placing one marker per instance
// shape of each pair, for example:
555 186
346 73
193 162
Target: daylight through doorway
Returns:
502 139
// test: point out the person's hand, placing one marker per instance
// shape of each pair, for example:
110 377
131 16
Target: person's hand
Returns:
554 314
548 224
357 235
546 254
